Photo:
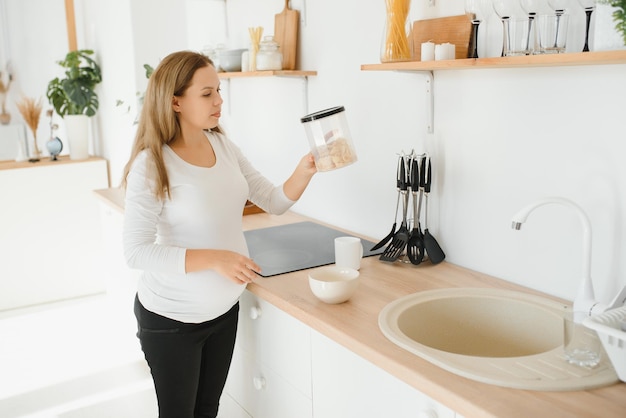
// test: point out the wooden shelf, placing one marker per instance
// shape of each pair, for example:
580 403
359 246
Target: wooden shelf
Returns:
44 161
555 60
295 73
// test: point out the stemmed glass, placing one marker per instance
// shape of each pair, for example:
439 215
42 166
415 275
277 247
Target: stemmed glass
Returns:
589 6
531 8
505 9
559 9
474 9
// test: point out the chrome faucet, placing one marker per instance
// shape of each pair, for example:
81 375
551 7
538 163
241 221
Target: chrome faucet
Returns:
585 303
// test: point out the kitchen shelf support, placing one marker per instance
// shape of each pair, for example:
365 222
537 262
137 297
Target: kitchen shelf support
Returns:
305 92
430 102
430 98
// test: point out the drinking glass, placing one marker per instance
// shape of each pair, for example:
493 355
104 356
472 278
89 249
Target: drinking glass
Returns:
559 9
507 10
533 8
475 10
589 6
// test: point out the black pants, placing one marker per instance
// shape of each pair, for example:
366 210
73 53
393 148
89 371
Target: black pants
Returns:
189 362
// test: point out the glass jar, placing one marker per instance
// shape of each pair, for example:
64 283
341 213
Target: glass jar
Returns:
269 57
397 43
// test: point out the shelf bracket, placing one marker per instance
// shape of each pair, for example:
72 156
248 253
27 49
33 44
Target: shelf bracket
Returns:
429 96
305 92
430 103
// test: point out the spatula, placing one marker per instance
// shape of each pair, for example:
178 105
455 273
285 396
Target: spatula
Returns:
393 227
286 35
401 237
434 251
415 246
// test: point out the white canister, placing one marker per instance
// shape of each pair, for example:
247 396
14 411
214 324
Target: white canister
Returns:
329 138
245 61
269 57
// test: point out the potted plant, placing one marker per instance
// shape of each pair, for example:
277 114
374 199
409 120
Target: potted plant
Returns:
619 15
74 98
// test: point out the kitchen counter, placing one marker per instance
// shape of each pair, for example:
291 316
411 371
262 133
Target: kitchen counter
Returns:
354 325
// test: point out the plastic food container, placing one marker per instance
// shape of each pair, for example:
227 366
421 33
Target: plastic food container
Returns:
329 138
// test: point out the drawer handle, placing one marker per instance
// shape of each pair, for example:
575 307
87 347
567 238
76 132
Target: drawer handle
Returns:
255 312
259 383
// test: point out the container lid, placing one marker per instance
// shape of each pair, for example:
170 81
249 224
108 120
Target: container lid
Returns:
322 114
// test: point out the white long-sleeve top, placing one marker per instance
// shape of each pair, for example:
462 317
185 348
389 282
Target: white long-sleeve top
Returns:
205 211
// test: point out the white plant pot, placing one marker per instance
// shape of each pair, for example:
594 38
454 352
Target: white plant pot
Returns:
77 128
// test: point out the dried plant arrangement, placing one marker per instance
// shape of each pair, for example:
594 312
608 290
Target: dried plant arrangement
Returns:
5 117
31 112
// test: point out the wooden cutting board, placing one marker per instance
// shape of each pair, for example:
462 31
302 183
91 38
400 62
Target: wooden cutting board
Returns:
454 29
286 34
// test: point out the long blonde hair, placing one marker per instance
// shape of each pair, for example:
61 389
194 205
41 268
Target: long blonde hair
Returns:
158 123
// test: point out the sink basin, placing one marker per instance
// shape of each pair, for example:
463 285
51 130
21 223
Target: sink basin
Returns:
495 336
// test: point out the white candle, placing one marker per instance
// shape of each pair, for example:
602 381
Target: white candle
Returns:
450 51
440 52
428 51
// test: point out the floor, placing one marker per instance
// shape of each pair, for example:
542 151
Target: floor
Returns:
74 359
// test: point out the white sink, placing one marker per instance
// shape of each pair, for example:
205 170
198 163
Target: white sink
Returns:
495 336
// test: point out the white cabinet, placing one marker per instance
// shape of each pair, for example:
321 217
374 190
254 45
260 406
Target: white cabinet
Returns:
49 231
283 369
270 375
119 279
348 386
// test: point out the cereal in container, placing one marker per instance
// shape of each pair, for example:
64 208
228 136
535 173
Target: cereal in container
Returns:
329 138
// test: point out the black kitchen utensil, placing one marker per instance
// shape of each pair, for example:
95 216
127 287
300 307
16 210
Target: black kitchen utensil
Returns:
401 237
415 246
434 251
395 217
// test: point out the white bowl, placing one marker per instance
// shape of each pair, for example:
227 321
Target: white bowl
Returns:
333 284
230 59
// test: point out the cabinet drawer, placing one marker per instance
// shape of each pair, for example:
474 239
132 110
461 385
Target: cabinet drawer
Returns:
348 386
231 409
262 392
276 341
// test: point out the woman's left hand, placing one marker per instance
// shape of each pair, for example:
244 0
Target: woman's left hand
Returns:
295 185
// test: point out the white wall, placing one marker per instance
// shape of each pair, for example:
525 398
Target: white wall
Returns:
502 138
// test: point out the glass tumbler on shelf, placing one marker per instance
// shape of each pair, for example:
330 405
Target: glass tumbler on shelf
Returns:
552 33
397 43
510 12
534 8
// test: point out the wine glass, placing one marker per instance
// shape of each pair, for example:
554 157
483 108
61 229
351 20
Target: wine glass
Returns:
589 6
511 12
559 9
532 9
475 10
507 10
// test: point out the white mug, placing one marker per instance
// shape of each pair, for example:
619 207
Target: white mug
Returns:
348 252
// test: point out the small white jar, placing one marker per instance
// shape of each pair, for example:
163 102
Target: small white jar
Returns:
269 57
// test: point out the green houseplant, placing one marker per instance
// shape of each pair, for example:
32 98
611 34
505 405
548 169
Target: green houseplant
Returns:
75 93
619 15
74 98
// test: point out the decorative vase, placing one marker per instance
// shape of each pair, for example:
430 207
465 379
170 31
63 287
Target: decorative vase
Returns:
5 118
397 43
77 128
55 146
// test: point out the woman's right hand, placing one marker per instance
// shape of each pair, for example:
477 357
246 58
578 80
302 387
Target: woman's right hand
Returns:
234 266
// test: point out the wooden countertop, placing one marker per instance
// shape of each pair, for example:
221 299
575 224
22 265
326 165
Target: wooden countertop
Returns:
354 325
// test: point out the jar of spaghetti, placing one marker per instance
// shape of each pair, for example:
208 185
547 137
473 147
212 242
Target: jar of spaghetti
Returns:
329 138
